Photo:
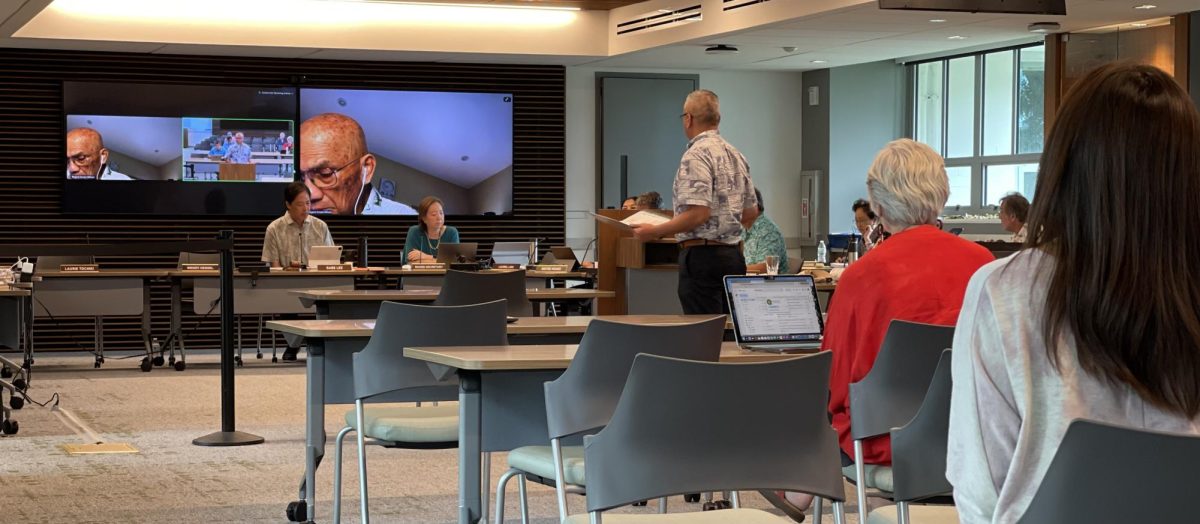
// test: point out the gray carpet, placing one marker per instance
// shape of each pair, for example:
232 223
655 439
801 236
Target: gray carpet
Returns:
171 480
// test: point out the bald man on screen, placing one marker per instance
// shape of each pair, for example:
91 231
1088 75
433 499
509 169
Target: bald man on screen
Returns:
87 158
336 167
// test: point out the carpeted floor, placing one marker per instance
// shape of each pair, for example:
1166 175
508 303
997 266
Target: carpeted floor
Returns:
171 480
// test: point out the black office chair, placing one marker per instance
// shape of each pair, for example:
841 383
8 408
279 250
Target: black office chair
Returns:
461 288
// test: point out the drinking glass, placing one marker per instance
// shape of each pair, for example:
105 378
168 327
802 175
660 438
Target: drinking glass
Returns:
772 262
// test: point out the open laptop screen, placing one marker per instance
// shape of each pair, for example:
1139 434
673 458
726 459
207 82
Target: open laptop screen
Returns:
781 308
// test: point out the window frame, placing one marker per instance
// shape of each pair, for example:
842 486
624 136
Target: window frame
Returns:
977 161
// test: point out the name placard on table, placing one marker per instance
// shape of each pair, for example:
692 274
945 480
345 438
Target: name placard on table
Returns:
551 268
78 267
506 266
199 267
429 266
334 267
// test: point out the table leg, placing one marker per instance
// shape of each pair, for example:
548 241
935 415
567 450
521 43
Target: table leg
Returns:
146 329
314 430
176 335
470 499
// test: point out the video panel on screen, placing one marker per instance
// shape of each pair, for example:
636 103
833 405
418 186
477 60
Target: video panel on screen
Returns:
365 152
177 149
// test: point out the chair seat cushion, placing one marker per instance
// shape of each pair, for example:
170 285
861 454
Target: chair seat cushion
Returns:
878 477
917 514
408 423
739 516
539 461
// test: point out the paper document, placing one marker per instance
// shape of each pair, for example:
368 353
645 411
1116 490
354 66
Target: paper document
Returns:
641 217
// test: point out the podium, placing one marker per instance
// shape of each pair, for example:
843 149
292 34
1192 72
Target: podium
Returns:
644 275
240 172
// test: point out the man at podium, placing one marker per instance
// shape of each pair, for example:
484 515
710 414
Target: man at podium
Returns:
239 152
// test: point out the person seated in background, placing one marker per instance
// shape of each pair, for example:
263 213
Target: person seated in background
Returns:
421 243
289 146
920 275
763 238
290 237
868 224
1014 208
629 204
239 151
280 141
1047 335
218 148
649 200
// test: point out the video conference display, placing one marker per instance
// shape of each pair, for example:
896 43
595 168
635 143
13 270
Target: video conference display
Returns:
178 149
381 152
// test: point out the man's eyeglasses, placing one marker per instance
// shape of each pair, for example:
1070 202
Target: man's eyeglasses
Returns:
80 160
327 178
681 115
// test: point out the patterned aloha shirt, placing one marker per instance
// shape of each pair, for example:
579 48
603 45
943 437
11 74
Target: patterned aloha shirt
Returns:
713 174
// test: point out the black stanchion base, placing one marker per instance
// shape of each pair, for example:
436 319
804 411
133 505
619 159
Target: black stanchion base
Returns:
228 438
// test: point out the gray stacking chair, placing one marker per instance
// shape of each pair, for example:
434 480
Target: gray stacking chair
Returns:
463 287
584 397
383 373
919 458
768 421
1101 471
890 395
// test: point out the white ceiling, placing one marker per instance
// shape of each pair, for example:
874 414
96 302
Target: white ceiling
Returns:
841 36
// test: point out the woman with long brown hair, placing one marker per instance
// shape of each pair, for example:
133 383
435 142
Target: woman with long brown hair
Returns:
421 243
1099 316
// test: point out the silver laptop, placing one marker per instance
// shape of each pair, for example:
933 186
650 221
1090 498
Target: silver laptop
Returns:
511 252
777 313
324 256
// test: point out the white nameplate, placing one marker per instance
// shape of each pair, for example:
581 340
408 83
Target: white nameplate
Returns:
551 268
199 267
506 266
429 266
78 267
335 267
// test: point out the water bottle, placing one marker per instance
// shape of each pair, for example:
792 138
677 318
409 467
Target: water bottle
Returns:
822 254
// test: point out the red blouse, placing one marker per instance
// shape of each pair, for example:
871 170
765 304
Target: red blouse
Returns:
920 275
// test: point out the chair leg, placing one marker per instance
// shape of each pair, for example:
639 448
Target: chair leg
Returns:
662 505
735 499
839 513
817 509
860 471
337 473
486 481
362 462
524 499
500 486
902 513
560 488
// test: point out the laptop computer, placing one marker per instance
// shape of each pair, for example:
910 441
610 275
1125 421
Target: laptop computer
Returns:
450 253
776 313
324 256
564 255
511 252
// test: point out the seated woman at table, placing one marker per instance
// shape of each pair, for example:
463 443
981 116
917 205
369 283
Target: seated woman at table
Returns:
763 238
920 275
420 246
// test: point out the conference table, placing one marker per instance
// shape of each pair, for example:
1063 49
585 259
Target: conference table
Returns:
15 325
330 377
501 402
534 278
364 303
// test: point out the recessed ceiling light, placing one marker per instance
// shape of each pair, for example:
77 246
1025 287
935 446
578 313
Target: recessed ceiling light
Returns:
956 37
937 20
1146 6
819 61
1139 24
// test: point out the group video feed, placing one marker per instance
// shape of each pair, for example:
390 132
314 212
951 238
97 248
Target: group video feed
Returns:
364 152
189 149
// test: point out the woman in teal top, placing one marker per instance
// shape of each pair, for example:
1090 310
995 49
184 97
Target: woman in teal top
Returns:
420 246
763 238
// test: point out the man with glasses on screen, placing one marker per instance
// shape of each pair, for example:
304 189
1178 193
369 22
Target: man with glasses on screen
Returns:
239 152
336 167
87 158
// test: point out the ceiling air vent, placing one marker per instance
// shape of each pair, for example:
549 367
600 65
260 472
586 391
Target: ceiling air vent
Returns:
660 19
730 5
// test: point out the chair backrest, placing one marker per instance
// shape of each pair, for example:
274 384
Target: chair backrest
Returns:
52 262
381 366
199 258
586 394
1107 473
460 288
684 426
919 448
893 390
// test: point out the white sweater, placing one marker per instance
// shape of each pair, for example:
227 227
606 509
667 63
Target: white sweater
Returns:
1010 408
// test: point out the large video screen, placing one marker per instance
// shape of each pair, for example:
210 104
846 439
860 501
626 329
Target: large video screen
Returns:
365 152
178 149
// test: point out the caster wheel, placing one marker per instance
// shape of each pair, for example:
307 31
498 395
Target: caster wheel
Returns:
28 365
10 427
146 366
691 497
708 506
274 360
16 402
639 503
258 356
20 384
237 361
180 366
100 360
297 511
158 361
6 373
724 504
171 361
96 365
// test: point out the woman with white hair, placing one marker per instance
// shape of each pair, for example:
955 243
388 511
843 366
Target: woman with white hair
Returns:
920 274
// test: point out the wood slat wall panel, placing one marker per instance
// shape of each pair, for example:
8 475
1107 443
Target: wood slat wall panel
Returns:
32 151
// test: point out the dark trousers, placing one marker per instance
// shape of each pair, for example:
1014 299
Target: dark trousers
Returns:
702 270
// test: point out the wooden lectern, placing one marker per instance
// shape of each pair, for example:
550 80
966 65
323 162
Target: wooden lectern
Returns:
242 172
617 252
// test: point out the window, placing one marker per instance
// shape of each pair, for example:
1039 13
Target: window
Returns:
983 112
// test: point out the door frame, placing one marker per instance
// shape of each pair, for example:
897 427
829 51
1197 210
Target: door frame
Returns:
600 76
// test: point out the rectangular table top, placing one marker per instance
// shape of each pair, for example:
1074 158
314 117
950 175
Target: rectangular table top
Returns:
105 273
391 271
428 293
523 326
545 356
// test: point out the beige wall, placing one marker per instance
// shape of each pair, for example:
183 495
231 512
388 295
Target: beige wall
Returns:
413 185
133 167
493 194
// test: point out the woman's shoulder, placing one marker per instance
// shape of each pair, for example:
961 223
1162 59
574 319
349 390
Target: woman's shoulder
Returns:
414 230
